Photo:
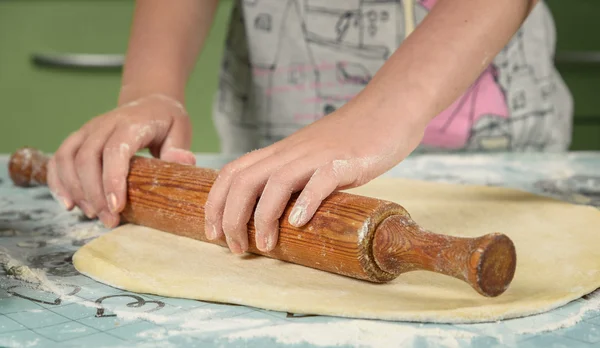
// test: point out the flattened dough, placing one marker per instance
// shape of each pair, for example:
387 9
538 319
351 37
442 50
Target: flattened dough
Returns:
558 253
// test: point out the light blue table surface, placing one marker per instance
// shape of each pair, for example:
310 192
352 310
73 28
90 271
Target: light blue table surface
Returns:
35 231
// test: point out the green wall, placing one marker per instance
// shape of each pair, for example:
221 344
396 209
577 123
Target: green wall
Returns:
577 31
40 106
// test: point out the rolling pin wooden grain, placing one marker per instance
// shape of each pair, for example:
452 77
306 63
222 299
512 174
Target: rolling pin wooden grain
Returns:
351 235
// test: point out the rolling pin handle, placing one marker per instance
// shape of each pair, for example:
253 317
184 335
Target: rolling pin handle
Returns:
28 167
486 263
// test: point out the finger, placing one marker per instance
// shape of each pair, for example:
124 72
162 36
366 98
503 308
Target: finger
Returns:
124 142
275 197
88 161
66 173
215 202
322 183
250 183
55 186
179 133
241 199
173 148
180 156
178 139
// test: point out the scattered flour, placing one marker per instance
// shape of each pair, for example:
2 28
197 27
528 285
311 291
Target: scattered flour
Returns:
78 234
196 319
17 270
132 316
9 342
202 327
362 333
197 322
151 344
364 230
36 277
84 303
84 233
593 305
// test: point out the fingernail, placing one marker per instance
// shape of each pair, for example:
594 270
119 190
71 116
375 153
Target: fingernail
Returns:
261 242
234 246
297 215
87 210
270 241
211 232
108 219
111 199
65 203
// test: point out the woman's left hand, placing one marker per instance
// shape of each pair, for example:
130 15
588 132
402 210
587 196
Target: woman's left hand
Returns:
345 149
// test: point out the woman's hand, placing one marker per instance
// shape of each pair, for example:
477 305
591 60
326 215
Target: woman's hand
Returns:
374 131
90 168
345 149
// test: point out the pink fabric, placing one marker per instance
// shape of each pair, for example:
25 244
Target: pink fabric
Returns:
451 128
428 4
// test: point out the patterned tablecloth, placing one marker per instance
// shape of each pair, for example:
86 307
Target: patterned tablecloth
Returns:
69 309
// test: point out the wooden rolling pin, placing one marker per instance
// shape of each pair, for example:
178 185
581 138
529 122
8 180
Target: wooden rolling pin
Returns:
351 235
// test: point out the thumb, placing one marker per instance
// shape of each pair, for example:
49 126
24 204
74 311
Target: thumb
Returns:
176 146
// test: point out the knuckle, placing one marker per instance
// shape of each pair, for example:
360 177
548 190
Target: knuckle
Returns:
281 178
119 151
325 172
86 154
228 170
61 157
138 131
230 227
263 217
329 168
130 126
82 158
241 181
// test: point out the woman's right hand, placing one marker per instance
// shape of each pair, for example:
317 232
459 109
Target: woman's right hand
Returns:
90 168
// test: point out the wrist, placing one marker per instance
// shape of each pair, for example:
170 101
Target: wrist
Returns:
132 92
165 100
161 77
400 110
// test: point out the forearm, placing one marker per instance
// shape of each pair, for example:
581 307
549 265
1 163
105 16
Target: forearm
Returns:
445 54
165 40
